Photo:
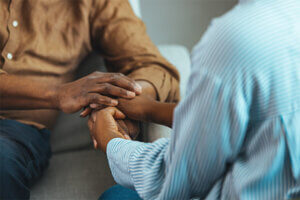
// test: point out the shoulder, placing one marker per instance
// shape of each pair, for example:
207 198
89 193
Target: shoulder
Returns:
242 41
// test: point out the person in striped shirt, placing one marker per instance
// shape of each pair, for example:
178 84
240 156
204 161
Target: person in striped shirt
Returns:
236 133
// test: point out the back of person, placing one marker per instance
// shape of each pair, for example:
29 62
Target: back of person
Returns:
236 134
259 59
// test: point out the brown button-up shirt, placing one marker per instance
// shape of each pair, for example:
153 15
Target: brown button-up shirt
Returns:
46 40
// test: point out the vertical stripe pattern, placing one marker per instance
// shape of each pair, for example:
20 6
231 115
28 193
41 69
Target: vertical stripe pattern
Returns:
236 135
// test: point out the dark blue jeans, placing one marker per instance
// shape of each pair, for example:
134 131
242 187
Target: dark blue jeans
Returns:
24 154
119 192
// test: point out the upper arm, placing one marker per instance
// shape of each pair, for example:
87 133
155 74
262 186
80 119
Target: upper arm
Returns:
121 38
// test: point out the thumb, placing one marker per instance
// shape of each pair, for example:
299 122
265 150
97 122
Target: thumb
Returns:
127 137
113 111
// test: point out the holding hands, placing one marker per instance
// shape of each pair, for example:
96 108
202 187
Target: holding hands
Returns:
109 123
103 126
94 90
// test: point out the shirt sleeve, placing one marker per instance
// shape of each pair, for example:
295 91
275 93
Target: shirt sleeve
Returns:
121 38
209 129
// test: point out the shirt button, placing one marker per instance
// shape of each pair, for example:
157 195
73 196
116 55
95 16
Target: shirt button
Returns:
9 56
15 23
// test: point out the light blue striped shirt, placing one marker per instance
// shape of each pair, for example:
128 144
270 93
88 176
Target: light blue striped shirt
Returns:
236 134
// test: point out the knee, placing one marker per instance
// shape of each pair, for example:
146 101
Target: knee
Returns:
10 158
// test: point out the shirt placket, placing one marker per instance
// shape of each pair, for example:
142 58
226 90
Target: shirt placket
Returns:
9 52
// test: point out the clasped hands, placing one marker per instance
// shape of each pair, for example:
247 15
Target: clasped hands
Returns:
95 94
103 123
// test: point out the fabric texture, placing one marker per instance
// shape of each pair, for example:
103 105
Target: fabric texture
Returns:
24 155
52 37
76 175
119 192
236 134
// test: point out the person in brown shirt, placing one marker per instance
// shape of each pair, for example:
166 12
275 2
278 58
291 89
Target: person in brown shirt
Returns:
42 43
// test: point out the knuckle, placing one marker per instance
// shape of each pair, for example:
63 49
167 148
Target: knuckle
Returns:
92 98
105 100
123 92
114 77
106 87
94 74
131 85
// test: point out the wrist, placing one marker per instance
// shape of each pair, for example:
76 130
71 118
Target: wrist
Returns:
150 111
113 136
53 96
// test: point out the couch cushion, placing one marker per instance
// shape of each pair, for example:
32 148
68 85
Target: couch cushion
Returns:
70 133
76 176
135 4
179 56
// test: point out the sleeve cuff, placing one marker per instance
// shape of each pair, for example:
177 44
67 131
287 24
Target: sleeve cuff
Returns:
118 154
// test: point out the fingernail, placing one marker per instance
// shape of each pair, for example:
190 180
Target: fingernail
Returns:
138 88
81 115
114 102
93 106
130 94
127 137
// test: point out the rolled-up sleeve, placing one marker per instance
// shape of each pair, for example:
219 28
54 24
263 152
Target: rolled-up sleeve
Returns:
121 38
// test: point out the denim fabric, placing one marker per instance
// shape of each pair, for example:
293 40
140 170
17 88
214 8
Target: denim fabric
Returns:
119 192
24 154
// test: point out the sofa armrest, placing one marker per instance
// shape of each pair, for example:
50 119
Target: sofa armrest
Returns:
180 58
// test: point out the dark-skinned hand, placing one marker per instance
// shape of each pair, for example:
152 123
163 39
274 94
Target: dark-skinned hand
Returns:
103 126
95 89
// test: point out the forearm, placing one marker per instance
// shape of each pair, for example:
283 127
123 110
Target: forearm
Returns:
161 113
22 93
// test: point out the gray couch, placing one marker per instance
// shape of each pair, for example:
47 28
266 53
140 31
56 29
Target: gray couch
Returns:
77 171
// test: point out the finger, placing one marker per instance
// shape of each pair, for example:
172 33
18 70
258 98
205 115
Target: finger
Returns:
127 137
95 143
109 89
138 87
114 112
86 112
119 115
121 81
94 98
91 124
97 106
93 116
133 128
122 127
91 127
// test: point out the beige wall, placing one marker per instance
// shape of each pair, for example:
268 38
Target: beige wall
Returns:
181 21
